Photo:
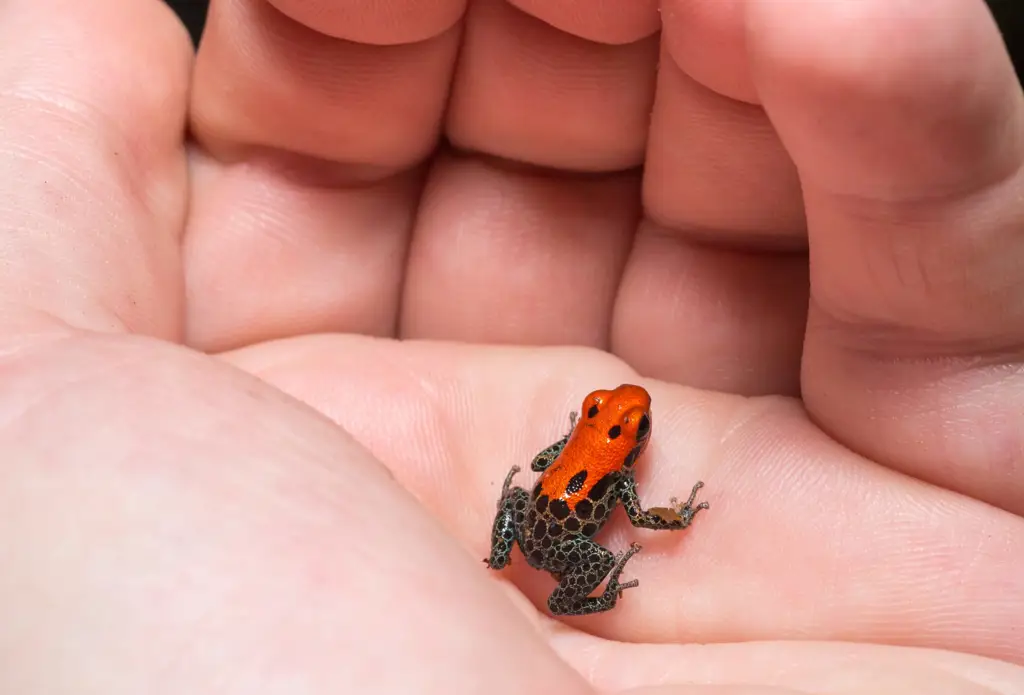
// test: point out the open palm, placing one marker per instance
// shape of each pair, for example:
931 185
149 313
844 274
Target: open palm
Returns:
184 330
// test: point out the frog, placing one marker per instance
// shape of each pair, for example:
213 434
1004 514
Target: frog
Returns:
584 476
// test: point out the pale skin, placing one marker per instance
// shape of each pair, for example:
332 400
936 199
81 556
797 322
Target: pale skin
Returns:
295 506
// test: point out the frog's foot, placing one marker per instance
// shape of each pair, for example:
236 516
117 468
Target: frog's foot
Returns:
687 510
507 484
675 517
500 563
613 579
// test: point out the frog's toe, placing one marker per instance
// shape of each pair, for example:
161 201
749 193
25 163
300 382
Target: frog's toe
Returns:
631 584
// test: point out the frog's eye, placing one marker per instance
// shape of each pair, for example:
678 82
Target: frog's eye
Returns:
593 402
644 427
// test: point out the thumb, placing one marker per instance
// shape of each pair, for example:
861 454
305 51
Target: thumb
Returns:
92 164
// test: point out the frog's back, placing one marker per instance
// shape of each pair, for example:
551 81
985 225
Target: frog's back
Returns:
574 497
577 511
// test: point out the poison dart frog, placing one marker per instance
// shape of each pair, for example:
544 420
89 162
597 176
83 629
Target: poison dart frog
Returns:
584 475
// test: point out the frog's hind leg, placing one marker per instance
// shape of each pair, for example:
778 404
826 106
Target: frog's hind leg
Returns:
508 522
587 564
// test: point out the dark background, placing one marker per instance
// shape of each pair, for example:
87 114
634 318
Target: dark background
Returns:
1008 13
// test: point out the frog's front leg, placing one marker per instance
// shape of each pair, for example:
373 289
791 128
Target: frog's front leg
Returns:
587 563
508 522
545 458
670 518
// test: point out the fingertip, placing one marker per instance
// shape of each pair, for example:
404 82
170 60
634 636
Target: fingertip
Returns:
707 40
381 22
614 22
265 83
888 99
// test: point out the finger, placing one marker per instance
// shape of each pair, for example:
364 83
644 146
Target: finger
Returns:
92 167
803 540
528 92
267 83
711 317
308 185
504 256
216 531
268 256
719 190
911 156
715 169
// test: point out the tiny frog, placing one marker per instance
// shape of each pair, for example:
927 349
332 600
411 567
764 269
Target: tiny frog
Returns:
584 475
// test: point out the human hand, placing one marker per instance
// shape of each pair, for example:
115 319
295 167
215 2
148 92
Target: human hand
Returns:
181 522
